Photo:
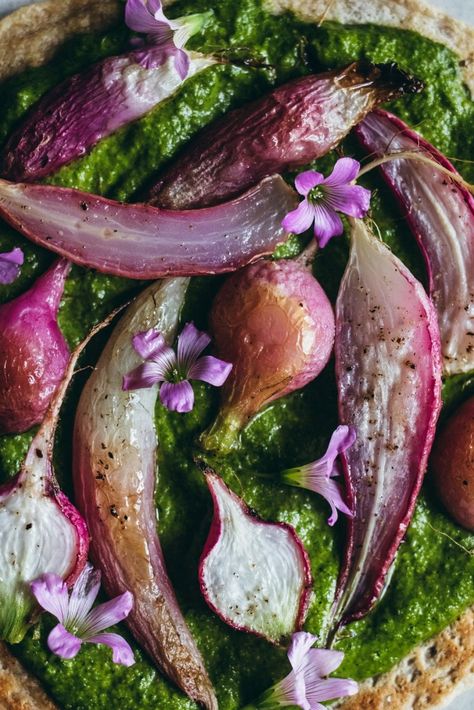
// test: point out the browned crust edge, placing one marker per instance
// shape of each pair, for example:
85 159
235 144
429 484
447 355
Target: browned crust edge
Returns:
18 689
429 676
441 667
30 36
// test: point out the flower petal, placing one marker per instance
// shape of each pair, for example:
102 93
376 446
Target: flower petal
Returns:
177 396
145 18
327 224
299 220
344 172
191 343
342 438
330 689
62 643
83 595
121 651
320 662
10 263
289 691
148 343
181 63
305 181
210 369
143 376
333 493
107 614
51 594
353 200
316 476
301 642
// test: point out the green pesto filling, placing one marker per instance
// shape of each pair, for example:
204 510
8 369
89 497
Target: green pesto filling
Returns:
433 580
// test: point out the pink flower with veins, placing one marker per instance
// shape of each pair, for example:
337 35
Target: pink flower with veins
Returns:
307 685
324 198
173 370
10 263
78 622
318 475
147 17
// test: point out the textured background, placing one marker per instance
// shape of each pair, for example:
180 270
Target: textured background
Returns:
464 10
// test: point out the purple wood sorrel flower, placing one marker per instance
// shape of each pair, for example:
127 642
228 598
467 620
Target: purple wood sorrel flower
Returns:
306 686
324 198
10 263
78 622
147 17
174 370
317 476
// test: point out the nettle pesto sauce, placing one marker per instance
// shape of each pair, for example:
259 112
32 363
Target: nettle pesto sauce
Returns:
433 579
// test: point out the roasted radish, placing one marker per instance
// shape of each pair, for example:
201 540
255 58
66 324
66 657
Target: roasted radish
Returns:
85 108
291 126
275 324
254 574
33 351
452 461
40 530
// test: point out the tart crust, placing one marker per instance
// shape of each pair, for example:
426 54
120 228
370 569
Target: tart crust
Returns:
443 666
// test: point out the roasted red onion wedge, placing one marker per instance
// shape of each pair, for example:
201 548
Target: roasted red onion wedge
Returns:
388 368
274 322
143 242
254 574
88 107
114 477
440 212
40 530
291 126
33 351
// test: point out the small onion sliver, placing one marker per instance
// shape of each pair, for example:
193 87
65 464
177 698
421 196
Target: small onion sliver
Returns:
143 242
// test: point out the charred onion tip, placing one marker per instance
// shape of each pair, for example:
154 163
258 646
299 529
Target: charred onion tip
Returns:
203 466
401 81
389 76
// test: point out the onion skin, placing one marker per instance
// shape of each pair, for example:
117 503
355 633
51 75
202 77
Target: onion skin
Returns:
452 461
289 127
143 242
275 324
90 106
114 478
254 592
440 213
388 369
33 351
